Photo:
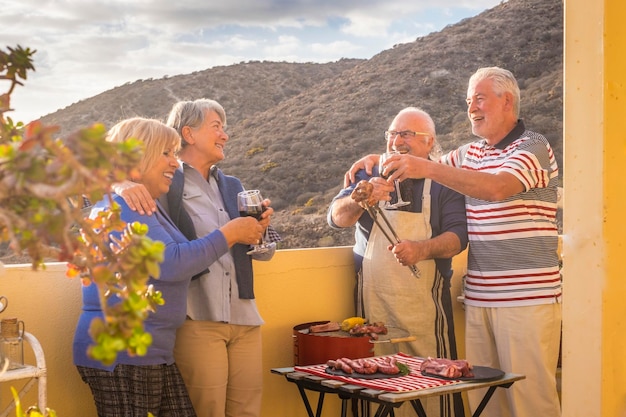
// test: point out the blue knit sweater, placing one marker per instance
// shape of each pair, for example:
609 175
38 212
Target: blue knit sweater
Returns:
182 259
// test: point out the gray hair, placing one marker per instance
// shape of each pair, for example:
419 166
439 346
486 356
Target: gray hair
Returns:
503 82
430 124
436 151
191 113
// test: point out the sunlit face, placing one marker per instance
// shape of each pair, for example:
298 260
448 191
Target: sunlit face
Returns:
158 177
210 138
487 111
418 145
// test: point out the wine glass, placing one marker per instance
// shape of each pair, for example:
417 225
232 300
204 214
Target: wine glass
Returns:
400 202
250 203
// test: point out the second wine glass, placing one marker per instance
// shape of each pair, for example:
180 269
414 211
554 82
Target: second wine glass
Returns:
250 203
399 201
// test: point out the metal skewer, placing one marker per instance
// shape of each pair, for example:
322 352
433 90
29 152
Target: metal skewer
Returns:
374 211
373 215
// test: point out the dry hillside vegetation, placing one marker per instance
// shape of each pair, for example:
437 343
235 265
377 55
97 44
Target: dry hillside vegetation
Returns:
295 128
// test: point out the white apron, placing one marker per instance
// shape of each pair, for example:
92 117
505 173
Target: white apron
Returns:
391 294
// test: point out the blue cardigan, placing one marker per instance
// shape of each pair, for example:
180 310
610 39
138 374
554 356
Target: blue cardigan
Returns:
229 187
182 259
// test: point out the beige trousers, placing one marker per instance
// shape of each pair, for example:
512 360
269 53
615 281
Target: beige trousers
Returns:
521 340
221 365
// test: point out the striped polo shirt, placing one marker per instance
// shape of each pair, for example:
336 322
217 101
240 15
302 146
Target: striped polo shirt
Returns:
512 257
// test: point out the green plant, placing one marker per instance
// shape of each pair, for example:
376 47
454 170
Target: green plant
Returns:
43 181
268 166
252 151
35 411
31 411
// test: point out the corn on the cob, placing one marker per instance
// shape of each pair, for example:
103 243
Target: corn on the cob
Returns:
350 322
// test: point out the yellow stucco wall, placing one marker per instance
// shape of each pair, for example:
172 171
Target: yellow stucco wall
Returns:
49 305
297 286
594 336
614 311
583 241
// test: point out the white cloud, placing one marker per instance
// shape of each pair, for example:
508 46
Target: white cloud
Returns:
285 46
85 47
239 43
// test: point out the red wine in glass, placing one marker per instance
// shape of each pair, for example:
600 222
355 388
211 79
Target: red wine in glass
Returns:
250 203
396 183
252 212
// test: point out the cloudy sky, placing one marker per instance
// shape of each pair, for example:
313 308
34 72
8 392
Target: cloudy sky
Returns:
86 47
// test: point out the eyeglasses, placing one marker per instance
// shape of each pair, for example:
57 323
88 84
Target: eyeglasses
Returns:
405 134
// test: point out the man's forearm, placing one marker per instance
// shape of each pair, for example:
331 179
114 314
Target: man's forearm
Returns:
346 212
481 185
446 245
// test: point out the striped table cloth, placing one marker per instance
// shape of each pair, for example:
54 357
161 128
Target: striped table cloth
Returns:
414 381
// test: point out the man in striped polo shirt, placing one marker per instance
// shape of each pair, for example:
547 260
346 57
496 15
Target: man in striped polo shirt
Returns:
513 282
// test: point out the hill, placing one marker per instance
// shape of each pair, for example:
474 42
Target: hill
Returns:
295 128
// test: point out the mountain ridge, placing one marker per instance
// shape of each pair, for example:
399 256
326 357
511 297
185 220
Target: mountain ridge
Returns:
295 128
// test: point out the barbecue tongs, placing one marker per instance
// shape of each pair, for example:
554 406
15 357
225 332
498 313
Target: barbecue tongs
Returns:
374 212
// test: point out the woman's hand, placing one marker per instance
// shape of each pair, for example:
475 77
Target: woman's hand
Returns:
245 230
267 213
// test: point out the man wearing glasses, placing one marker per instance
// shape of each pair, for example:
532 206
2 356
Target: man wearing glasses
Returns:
431 229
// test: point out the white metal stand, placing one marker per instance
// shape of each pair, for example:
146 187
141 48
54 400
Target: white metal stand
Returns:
32 373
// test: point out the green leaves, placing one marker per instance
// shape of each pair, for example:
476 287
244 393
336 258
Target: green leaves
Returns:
120 259
43 180
32 411
17 62
14 65
404 370
139 342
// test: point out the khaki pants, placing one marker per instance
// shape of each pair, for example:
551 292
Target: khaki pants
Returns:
221 365
521 340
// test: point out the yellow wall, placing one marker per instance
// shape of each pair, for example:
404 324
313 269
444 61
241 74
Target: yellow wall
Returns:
614 311
49 305
297 286
583 244
594 336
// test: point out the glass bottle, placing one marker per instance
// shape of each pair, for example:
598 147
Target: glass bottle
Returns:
11 342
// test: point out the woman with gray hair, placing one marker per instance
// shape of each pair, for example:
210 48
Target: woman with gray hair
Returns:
219 347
